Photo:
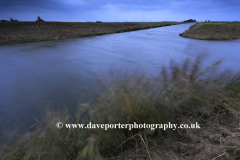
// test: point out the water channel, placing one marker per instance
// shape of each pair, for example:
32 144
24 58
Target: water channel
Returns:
35 74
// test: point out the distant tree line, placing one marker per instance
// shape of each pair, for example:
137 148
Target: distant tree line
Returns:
220 21
190 20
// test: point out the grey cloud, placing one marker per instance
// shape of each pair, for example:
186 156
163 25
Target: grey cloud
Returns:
90 9
29 4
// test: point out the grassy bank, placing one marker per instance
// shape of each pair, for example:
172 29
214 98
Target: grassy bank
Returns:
18 32
213 31
182 93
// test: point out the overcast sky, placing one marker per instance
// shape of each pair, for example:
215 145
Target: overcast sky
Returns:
120 10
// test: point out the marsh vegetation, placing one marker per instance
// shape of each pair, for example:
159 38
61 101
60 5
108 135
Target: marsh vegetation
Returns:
31 31
213 31
182 93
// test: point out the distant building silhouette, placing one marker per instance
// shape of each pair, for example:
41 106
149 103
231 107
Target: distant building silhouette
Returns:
13 20
39 19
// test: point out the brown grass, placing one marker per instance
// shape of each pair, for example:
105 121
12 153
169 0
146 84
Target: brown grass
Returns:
184 93
217 139
213 31
17 32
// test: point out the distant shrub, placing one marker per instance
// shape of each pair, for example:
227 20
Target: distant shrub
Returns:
99 22
4 21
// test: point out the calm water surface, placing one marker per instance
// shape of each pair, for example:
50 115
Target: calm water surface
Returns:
33 75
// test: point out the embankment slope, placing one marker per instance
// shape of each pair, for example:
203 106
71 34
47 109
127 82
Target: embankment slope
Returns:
18 32
213 31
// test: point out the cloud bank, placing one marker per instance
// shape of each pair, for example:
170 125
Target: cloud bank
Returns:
120 10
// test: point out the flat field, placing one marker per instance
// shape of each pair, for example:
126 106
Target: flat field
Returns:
213 31
18 32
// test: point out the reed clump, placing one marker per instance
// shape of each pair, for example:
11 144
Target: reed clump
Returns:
179 90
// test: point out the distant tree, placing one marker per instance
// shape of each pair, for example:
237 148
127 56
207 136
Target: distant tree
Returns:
3 20
99 22
190 20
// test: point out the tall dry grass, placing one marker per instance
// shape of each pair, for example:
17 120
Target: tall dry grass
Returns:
137 97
